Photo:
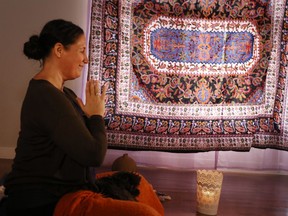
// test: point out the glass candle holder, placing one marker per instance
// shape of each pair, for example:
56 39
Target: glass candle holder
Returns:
209 185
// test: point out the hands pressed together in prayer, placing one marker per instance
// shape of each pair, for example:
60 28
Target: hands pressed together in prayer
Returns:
95 98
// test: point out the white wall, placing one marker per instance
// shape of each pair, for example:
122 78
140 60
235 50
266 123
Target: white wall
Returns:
19 19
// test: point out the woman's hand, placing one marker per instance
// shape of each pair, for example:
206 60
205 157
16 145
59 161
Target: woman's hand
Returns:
95 99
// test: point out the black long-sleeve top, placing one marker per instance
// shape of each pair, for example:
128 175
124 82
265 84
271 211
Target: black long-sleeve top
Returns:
57 143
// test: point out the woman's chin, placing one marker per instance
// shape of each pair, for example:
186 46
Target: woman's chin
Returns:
77 74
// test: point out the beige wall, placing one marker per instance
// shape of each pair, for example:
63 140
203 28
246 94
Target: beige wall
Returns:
19 19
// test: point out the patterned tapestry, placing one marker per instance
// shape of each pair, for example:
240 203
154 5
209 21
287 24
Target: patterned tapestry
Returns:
192 75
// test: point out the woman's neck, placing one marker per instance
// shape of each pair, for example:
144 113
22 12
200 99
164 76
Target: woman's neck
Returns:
52 76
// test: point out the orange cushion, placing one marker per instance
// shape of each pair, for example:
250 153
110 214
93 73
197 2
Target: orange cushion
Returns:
89 203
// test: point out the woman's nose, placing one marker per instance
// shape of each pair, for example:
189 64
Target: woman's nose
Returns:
86 59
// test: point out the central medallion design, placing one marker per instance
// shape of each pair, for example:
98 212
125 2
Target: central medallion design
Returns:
198 47
189 46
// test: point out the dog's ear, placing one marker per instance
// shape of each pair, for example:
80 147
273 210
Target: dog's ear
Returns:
120 185
130 177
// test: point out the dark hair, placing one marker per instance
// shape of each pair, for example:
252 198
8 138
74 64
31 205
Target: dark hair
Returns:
55 31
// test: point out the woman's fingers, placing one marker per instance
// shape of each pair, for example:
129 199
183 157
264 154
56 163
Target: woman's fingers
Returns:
96 88
104 90
93 88
95 100
87 89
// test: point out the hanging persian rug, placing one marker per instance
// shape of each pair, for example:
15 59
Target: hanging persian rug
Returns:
192 75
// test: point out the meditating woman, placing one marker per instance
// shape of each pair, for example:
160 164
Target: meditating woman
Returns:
60 136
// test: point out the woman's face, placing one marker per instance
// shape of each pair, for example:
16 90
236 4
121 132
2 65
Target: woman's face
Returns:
73 59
